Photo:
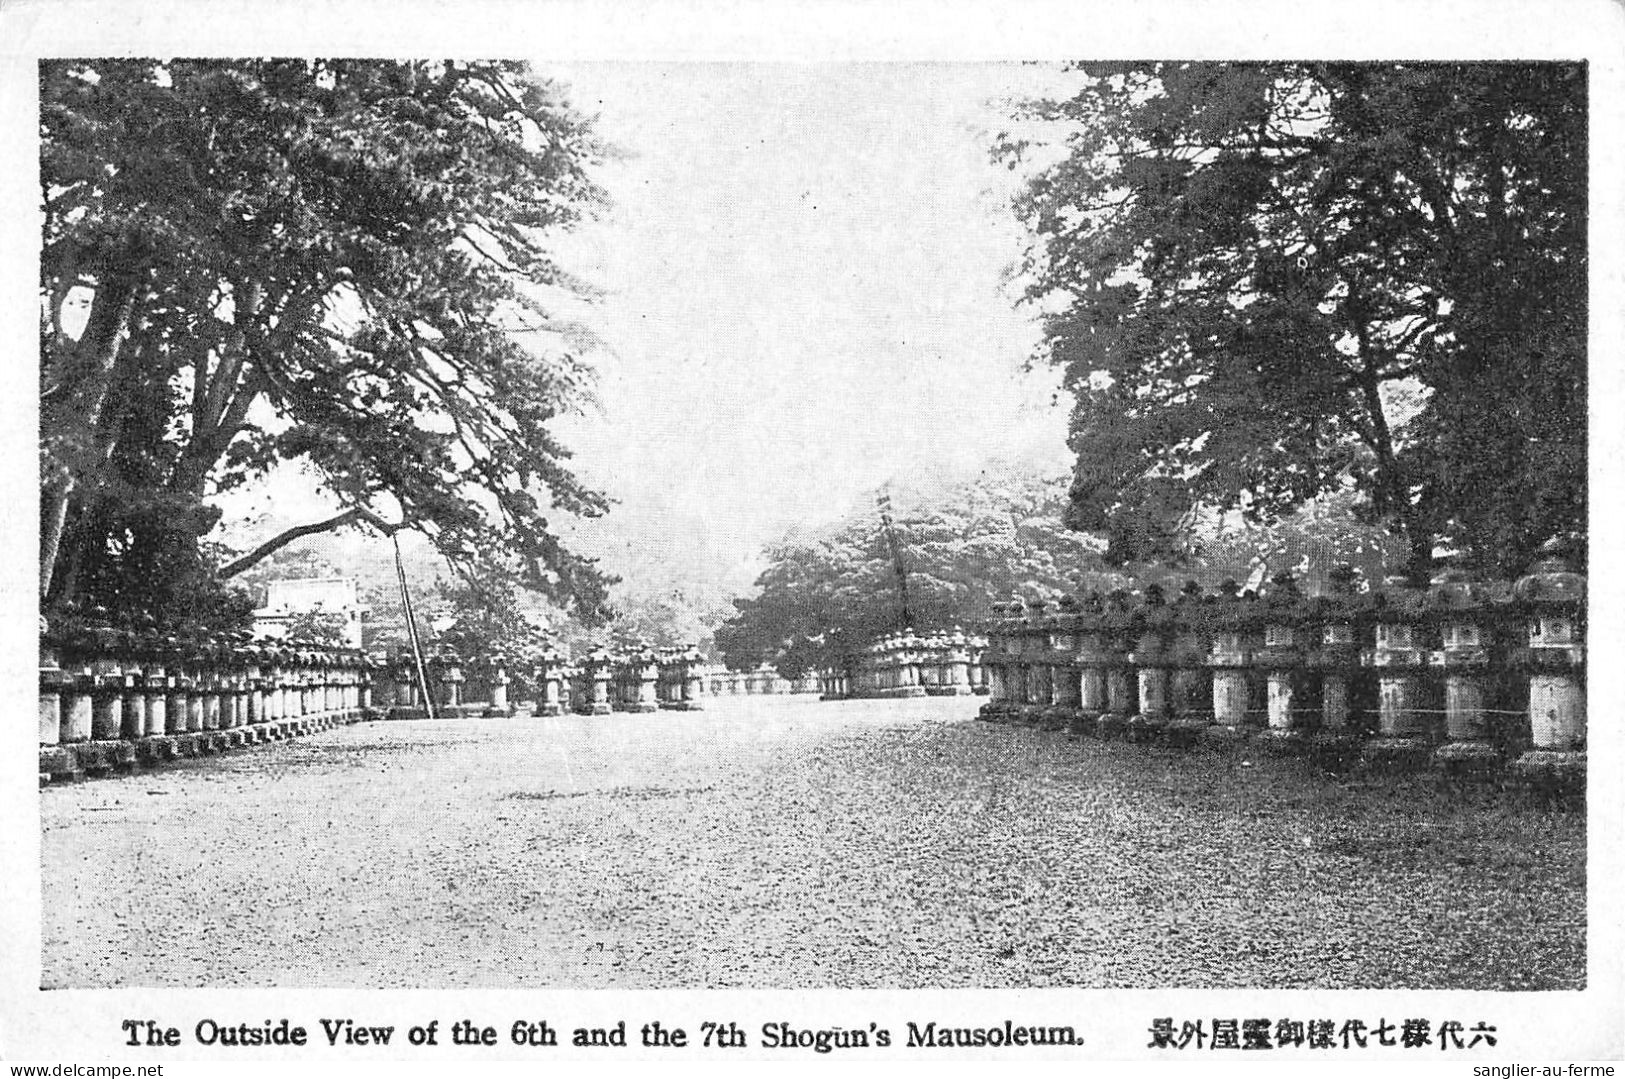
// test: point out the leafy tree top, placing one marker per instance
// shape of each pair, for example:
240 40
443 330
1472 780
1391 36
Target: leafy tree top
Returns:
342 262
1270 282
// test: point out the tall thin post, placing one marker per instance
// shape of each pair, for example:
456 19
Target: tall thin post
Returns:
412 631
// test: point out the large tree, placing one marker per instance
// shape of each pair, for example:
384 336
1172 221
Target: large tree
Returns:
825 597
342 263
1270 282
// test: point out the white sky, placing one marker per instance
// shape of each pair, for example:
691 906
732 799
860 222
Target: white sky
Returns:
802 267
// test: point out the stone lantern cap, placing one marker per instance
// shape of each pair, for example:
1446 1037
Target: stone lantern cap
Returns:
1456 594
1236 611
1553 580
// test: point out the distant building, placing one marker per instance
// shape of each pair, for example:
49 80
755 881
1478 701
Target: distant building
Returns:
285 600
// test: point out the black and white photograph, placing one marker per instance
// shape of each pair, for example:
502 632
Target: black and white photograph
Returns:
671 549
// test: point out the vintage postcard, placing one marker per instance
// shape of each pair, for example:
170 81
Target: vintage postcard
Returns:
812 533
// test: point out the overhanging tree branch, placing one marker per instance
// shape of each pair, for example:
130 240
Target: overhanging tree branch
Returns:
282 539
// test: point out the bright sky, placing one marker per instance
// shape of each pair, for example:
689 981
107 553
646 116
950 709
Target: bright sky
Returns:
803 265
803 299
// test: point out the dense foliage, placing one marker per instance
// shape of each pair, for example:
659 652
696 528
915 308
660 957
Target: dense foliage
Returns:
341 263
825 597
1271 282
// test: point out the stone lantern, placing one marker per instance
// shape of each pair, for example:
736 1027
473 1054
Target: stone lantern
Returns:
78 682
1190 694
1036 657
646 672
449 668
549 675
1553 598
959 663
691 682
994 663
1063 668
908 666
1090 659
1334 624
497 665
51 684
1403 733
1460 606
1019 651
600 672
110 681
1151 657
1228 658
1117 624
1283 659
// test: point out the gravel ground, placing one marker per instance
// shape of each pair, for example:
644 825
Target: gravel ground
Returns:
787 843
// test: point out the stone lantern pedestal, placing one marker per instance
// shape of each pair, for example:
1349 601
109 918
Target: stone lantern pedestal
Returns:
1552 597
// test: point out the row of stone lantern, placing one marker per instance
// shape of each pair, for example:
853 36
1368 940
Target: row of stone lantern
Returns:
937 663
763 680
1461 671
638 680
156 694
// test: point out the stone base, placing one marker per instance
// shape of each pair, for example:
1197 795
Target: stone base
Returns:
981 691
1335 750
1468 759
154 750
643 706
1283 741
1145 727
76 760
551 710
1056 718
993 711
59 764
1396 755
1184 733
505 712
598 710
1552 772
903 691
1110 725
1224 736
686 706
1083 723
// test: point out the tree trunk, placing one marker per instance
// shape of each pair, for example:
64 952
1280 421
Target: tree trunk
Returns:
91 365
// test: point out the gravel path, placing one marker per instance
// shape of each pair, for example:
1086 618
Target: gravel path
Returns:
787 843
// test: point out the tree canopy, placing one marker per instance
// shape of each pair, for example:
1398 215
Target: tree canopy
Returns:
343 263
827 596
1270 282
